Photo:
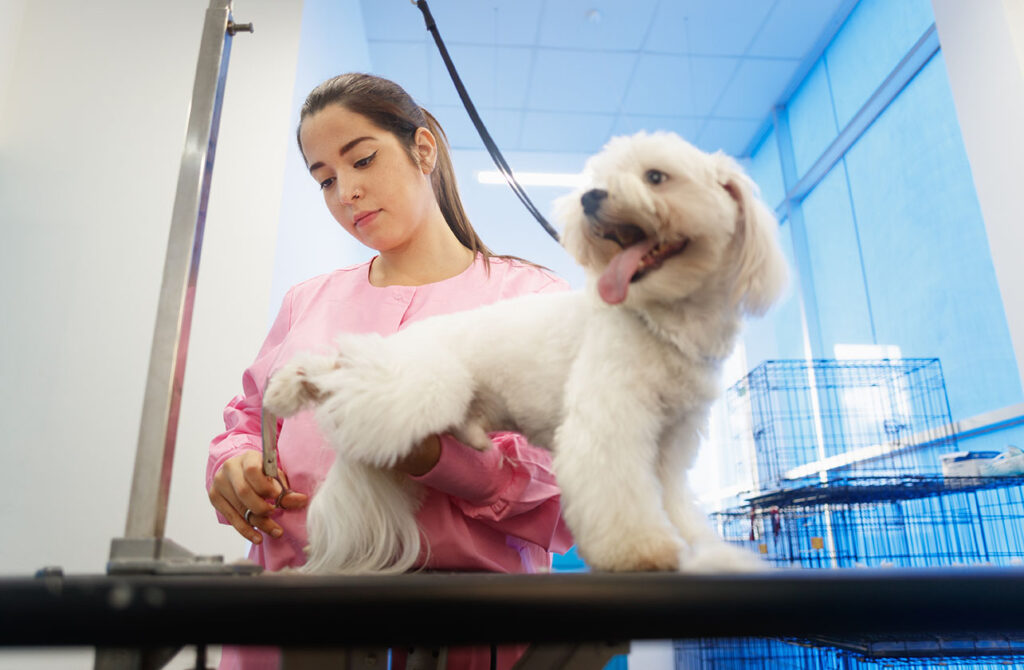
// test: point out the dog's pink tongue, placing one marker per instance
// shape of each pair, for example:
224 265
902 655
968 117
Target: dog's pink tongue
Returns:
614 281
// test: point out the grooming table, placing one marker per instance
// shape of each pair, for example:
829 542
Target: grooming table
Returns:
317 613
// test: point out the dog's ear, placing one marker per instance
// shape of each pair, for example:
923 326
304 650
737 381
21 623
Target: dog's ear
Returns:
298 384
761 267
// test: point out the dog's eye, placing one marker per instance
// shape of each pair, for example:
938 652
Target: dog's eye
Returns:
655 176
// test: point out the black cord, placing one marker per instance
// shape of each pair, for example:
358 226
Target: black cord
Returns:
492 148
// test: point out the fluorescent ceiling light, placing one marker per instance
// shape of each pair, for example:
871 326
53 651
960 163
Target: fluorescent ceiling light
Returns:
567 179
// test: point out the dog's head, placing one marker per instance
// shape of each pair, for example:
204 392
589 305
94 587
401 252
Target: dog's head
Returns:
662 221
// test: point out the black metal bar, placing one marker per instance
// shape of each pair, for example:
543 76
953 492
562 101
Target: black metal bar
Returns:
296 610
485 136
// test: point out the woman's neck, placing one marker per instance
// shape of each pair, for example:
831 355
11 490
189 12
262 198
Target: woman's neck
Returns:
431 256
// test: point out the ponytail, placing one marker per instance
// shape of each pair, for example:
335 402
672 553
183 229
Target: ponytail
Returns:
447 192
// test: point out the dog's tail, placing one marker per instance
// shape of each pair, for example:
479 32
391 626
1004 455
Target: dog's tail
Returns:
361 521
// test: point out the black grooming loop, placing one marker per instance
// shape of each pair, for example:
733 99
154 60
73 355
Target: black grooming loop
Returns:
492 148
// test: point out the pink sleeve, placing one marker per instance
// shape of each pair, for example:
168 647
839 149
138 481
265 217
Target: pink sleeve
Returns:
242 414
510 487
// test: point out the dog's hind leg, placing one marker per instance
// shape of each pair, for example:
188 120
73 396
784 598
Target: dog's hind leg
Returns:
706 550
389 394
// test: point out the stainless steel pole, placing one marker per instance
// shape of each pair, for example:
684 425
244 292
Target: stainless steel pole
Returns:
144 546
147 511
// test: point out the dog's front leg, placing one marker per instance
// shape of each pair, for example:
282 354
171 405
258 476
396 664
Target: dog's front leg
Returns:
706 551
605 454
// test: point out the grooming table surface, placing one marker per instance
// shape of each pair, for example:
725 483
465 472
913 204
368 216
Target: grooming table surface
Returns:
305 611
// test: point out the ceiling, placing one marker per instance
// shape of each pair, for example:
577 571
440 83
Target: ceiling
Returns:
565 75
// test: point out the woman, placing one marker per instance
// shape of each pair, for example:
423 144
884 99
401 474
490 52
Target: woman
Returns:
386 176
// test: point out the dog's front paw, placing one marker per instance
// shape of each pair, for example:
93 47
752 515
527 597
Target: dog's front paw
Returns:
636 552
720 556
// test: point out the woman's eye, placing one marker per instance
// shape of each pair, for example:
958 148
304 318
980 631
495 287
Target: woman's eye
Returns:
363 162
655 176
326 183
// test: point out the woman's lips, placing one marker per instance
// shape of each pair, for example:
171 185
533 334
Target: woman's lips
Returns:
364 218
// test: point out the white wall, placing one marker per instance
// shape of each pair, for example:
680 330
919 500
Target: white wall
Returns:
983 45
11 13
93 108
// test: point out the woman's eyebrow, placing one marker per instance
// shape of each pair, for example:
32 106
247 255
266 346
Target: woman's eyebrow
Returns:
348 146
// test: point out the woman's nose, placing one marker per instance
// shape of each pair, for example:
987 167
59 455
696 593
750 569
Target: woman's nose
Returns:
349 194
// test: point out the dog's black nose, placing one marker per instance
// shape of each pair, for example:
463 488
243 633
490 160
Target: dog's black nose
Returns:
591 200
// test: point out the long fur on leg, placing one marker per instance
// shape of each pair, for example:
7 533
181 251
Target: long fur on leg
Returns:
362 520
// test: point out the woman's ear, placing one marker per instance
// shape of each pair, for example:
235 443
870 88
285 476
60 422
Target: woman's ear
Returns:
425 147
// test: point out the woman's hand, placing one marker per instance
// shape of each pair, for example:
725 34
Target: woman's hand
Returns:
240 485
422 459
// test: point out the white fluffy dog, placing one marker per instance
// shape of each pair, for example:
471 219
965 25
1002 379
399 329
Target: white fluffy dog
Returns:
617 379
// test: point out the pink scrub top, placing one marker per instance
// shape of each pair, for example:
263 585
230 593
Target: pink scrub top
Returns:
495 511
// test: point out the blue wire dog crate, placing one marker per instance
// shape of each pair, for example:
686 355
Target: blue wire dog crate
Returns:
779 654
808 421
849 470
922 523
848 473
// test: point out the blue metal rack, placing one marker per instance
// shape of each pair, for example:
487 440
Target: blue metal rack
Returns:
848 474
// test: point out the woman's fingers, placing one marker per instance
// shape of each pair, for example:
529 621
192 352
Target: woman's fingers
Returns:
294 500
289 499
245 496
255 490
237 520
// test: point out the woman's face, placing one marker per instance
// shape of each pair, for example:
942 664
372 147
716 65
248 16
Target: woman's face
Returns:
370 185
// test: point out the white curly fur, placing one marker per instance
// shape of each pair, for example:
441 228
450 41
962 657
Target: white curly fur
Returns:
620 392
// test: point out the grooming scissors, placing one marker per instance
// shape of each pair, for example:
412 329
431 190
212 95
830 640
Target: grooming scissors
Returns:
268 431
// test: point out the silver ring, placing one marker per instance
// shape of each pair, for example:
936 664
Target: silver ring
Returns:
248 513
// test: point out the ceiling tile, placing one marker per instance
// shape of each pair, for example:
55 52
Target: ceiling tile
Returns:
502 125
677 85
500 22
755 88
683 126
710 69
728 135
504 22
585 81
393 20
723 28
406 64
795 26
573 133
493 76
610 25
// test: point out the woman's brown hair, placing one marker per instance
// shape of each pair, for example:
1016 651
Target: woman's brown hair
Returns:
389 107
